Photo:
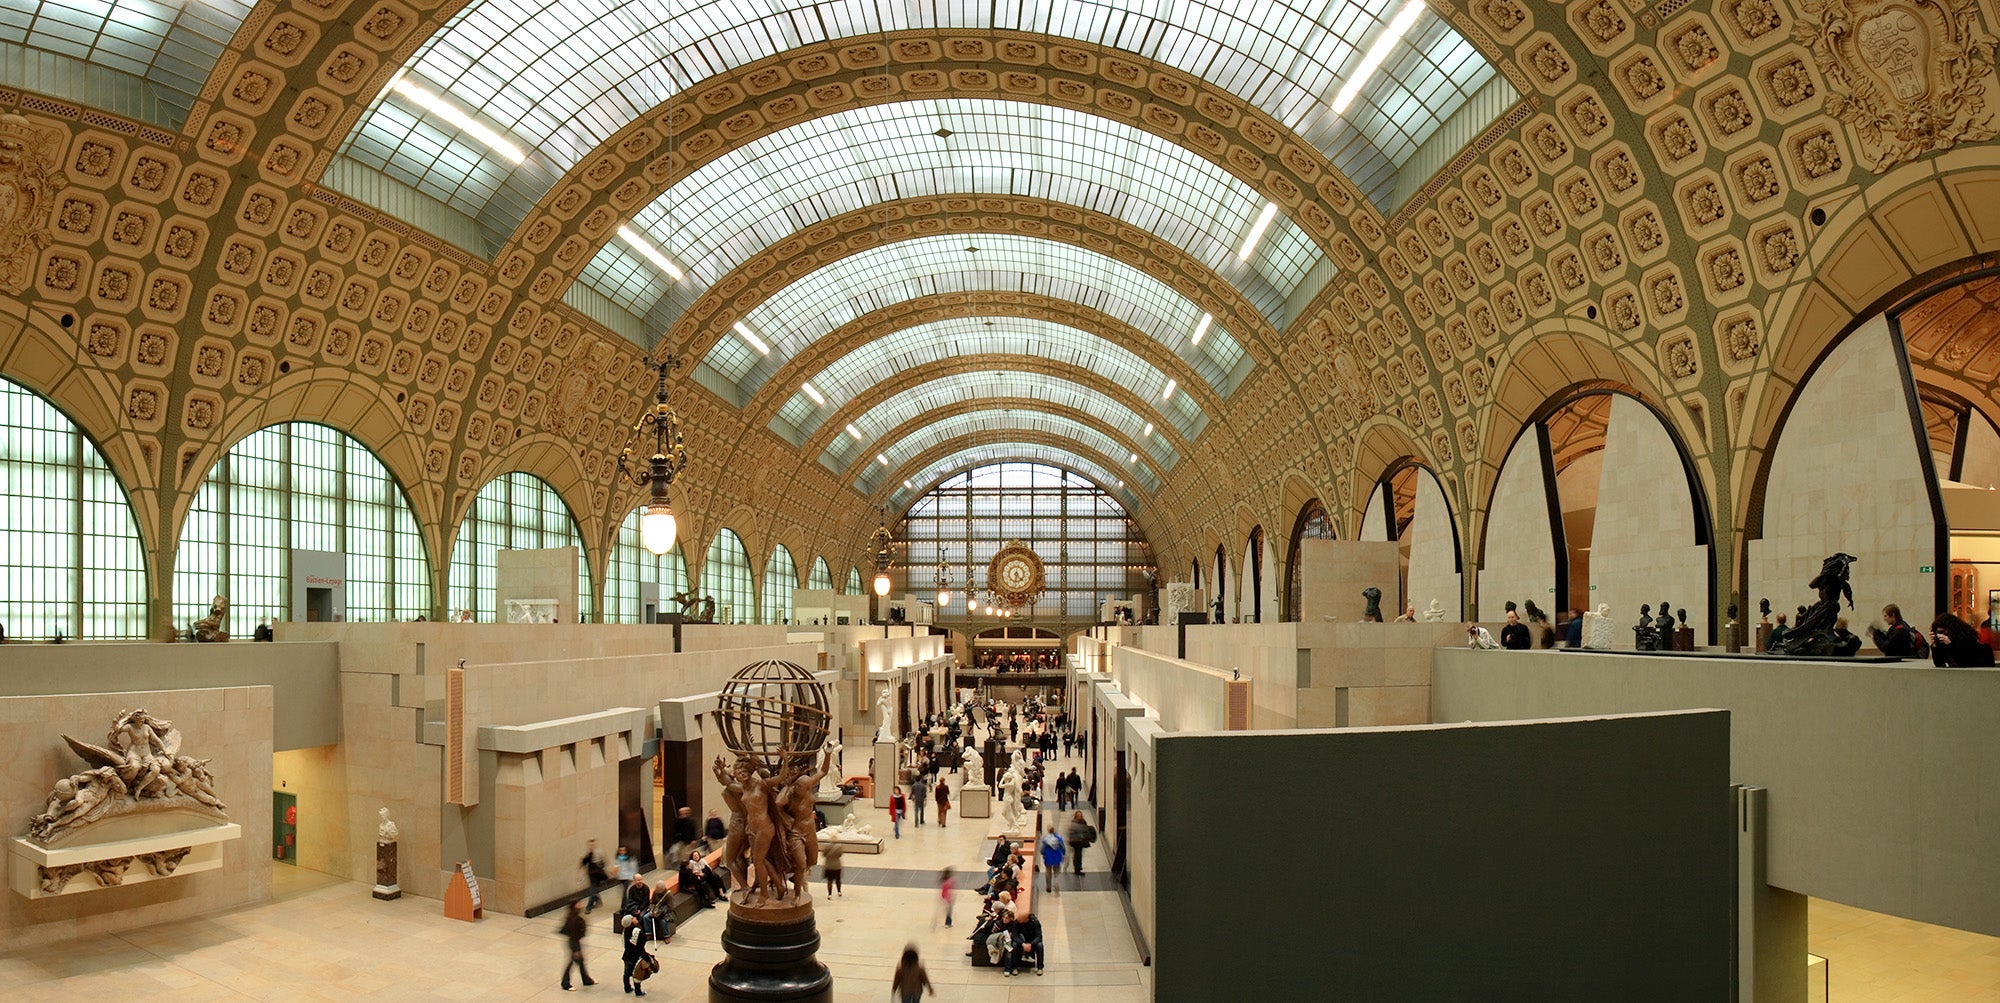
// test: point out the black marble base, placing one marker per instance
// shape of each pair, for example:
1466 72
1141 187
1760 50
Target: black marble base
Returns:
770 961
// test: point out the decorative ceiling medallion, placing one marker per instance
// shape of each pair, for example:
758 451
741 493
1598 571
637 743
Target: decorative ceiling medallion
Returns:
1015 576
1908 76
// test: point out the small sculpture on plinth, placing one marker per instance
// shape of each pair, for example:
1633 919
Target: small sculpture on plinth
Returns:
387 888
1373 612
1598 630
775 718
885 723
1763 612
208 629
1645 636
694 608
1663 628
975 770
1814 632
1434 613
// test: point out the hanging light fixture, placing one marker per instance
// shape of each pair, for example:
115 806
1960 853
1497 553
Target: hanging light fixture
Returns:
656 525
943 584
880 541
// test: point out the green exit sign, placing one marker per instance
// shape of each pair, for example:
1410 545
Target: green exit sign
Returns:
1926 569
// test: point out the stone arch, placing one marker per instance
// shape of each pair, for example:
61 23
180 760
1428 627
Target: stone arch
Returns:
1379 446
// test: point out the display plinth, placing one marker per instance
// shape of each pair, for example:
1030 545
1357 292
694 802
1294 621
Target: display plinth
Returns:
976 802
1684 639
30 865
386 886
885 772
770 957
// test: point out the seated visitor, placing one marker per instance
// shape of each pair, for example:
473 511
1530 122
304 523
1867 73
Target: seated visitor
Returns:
700 880
1954 644
1898 638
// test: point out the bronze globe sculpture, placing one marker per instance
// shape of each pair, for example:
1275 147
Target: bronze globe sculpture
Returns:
774 717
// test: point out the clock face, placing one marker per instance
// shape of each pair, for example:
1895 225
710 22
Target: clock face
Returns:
1016 574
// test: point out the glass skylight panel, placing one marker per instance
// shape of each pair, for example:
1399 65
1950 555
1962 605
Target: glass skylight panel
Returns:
562 78
758 195
982 476
885 417
812 306
171 46
854 373
944 430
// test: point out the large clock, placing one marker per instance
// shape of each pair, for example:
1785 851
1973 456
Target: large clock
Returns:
1015 575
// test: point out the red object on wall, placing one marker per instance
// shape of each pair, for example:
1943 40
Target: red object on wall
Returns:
292 815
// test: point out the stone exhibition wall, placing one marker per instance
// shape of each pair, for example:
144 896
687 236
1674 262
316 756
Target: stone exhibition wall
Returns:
1576 859
1266 653
1369 674
548 573
1847 475
1880 775
1333 574
1375 521
1141 736
1520 557
1643 547
318 777
1434 567
304 678
230 726
1187 696
1981 467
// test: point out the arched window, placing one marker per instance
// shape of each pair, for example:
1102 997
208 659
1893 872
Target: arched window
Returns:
1220 604
514 511
1253 553
633 567
291 488
822 576
1312 524
1089 547
854 581
781 578
726 576
70 558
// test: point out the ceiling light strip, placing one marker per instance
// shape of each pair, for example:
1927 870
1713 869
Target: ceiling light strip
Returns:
485 134
1377 54
751 336
649 252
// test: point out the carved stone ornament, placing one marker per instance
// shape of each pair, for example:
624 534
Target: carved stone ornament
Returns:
28 185
138 771
1908 76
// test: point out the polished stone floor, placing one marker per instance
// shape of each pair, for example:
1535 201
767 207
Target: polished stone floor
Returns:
1876 958
326 939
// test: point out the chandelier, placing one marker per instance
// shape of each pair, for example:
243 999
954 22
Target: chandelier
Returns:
669 458
880 540
943 585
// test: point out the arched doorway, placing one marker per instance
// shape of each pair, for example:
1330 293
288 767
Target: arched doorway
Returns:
1409 506
1312 524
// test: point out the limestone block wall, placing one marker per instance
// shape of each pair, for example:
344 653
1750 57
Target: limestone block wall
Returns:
1333 574
1520 547
1433 572
1369 674
546 805
1847 476
1643 546
1266 653
549 573
1187 696
1141 845
229 726
389 767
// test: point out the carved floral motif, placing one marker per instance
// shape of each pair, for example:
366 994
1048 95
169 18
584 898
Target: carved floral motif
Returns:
1908 76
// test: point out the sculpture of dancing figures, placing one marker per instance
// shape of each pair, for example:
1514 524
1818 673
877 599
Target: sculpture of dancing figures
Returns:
761 824
1010 809
885 727
795 809
738 840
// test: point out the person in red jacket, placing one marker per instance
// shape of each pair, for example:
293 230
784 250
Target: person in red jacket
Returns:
896 810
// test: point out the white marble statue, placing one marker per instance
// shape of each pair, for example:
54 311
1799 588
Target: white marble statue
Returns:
1598 630
1434 613
848 828
829 787
975 769
1010 808
386 832
885 721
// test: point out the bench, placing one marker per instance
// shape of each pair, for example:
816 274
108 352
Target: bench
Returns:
685 904
1024 893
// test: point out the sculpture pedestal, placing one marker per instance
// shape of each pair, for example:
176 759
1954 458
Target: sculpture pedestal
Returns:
770 957
976 802
386 887
1684 639
1763 637
885 772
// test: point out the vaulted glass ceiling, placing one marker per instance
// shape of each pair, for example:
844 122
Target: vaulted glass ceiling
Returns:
918 483
842 450
946 429
766 190
853 374
559 78
159 52
809 307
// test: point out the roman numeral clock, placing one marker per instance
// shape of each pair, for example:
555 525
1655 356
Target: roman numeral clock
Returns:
1015 577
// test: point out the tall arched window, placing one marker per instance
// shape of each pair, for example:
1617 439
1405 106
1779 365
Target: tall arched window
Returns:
781 578
633 566
854 581
295 487
514 511
822 576
1088 545
1254 557
1312 524
726 576
70 558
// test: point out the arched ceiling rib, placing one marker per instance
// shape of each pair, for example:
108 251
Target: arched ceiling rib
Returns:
559 79
1027 427
994 394
914 478
813 305
784 182
852 376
